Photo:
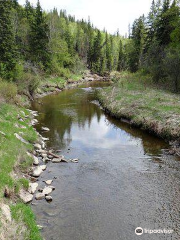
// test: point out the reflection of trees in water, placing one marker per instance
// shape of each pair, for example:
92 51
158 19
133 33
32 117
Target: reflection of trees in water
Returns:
59 113
70 107
152 145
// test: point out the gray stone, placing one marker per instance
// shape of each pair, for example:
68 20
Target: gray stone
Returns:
49 198
20 138
47 190
25 196
37 171
37 146
32 187
39 196
49 182
45 129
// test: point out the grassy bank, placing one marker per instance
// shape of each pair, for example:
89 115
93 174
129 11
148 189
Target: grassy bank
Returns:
14 162
134 97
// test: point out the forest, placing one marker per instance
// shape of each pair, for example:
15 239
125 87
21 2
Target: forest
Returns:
34 42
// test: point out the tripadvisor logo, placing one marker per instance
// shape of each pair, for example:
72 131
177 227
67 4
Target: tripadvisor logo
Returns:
139 231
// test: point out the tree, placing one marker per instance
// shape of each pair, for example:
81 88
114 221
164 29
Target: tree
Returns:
108 53
39 41
96 55
7 39
120 58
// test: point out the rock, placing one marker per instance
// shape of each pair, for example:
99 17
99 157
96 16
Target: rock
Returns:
52 187
36 160
40 227
34 122
43 167
56 160
41 151
49 182
2 133
37 146
39 196
20 138
49 198
37 171
44 155
45 139
64 160
6 212
76 160
25 196
47 190
45 129
32 187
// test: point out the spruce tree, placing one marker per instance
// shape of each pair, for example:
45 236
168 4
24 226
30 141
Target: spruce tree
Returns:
39 42
108 53
120 57
96 56
7 39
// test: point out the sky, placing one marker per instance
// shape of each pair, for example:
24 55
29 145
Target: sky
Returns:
108 14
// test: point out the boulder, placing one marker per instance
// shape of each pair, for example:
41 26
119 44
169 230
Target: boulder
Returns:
37 146
47 190
25 196
37 171
43 167
48 198
39 196
56 160
32 187
45 129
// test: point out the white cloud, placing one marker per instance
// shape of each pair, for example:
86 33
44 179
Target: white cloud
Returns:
112 14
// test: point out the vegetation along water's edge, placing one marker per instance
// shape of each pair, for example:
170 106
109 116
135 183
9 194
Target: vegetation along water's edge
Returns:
154 110
21 147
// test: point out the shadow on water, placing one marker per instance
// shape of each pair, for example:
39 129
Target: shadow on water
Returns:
122 181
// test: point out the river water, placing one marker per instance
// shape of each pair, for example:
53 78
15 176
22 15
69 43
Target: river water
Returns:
122 181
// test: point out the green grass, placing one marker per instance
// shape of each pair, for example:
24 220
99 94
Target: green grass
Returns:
22 212
135 97
13 158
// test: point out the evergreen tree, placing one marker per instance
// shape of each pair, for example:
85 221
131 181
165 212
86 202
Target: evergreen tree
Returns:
108 53
39 41
96 56
120 58
7 39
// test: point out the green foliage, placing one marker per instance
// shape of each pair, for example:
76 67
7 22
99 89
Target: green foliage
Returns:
8 91
7 39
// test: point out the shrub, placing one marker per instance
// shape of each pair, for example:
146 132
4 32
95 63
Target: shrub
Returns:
8 91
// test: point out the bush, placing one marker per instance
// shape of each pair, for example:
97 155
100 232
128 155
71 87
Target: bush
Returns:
28 83
8 91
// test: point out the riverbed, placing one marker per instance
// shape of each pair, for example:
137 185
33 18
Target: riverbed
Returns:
123 179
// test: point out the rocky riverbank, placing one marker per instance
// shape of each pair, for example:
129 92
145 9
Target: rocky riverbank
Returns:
26 158
54 86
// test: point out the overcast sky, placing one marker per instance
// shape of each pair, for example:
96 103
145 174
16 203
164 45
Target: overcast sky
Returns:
108 14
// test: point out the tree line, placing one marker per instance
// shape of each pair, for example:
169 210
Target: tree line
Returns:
154 45
34 42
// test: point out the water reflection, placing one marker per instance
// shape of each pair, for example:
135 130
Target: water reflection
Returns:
121 182
73 117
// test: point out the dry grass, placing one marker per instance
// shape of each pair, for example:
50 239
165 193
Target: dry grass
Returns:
144 105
